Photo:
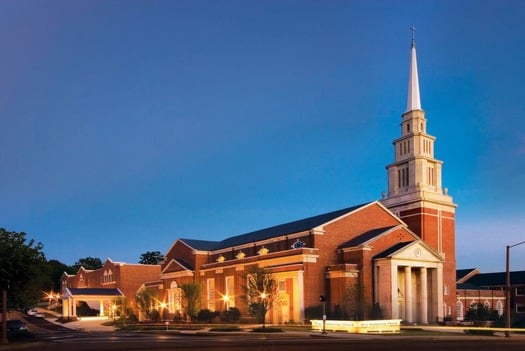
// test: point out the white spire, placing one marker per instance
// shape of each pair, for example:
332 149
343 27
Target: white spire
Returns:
413 99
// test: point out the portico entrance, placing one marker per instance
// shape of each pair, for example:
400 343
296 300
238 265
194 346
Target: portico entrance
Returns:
101 298
409 284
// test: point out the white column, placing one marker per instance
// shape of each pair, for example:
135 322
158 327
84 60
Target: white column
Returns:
74 307
408 294
101 308
424 296
65 307
376 284
394 293
298 308
70 306
440 292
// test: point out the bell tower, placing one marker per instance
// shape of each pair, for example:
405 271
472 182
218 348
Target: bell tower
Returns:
415 191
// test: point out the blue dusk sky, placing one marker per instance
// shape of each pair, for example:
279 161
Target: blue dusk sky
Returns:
128 124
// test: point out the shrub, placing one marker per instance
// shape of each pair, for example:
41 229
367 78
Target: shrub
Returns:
231 315
205 315
84 310
154 316
313 312
67 319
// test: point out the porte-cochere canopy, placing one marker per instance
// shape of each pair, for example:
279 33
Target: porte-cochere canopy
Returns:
99 296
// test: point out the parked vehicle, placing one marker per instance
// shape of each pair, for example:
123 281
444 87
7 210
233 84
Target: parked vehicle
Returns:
31 312
16 326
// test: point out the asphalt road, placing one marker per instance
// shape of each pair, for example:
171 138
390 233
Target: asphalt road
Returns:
47 336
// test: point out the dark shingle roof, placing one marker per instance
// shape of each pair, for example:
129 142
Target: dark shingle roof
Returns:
460 273
364 237
271 232
204 245
392 249
286 228
95 291
497 279
465 286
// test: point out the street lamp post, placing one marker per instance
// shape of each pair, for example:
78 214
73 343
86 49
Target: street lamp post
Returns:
162 310
507 289
322 298
226 300
263 307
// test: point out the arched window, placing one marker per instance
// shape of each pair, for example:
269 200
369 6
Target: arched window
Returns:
174 298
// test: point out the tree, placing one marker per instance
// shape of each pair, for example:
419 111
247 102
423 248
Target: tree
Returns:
22 264
260 292
191 294
56 269
89 263
151 257
355 300
146 300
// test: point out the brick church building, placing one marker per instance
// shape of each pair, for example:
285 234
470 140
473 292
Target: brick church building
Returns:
399 251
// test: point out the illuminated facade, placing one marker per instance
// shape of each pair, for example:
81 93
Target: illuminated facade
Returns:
398 253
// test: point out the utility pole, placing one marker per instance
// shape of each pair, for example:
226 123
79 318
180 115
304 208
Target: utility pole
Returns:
4 315
507 289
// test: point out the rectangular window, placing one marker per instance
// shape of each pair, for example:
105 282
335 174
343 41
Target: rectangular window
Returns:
210 288
230 291
520 291
281 285
520 308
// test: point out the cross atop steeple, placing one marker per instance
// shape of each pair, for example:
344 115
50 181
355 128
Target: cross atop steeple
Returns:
413 29
413 99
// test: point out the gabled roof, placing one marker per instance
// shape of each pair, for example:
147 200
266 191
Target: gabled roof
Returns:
393 249
271 232
497 279
463 275
94 292
460 273
176 265
365 237
203 245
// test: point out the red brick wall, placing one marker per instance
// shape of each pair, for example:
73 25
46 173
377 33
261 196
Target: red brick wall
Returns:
425 222
336 233
180 251
126 277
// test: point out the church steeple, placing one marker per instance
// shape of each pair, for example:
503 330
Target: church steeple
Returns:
415 175
415 193
413 99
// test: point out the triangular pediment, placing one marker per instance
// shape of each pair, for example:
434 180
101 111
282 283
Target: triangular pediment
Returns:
418 251
175 266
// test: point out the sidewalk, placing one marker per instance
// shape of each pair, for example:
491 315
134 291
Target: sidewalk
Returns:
87 324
